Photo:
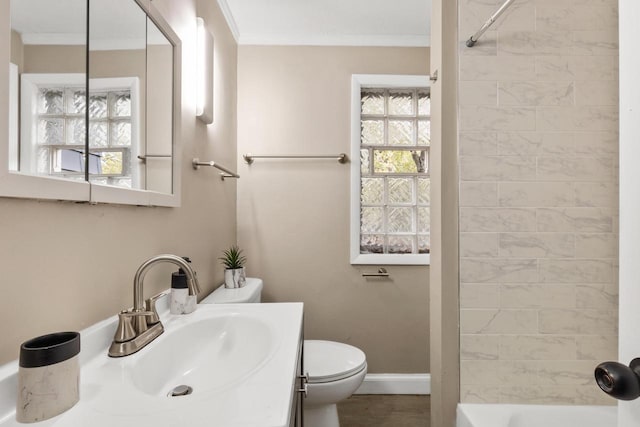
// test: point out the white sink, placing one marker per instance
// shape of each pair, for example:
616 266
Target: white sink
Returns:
208 354
239 359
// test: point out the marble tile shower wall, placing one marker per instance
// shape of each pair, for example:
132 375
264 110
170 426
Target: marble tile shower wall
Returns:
538 122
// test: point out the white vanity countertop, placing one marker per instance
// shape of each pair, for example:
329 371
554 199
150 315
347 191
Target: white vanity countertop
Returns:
250 349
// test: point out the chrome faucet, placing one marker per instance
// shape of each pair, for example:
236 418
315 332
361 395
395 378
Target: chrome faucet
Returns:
139 326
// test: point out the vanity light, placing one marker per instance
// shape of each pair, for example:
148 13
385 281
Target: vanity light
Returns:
204 69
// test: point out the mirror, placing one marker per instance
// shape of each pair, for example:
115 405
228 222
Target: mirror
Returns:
126 124
117 83
48 62
130 98
160 78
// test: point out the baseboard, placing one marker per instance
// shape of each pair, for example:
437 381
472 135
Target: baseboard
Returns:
396 384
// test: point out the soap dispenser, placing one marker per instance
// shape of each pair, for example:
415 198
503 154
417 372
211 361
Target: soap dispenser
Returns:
181 301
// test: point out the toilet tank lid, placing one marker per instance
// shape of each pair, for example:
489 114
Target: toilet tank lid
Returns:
247 293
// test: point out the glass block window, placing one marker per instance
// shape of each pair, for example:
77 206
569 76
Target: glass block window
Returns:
110 136
61 133
394 167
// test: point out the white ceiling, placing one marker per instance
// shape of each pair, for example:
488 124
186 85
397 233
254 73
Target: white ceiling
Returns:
115 24
329 22
274 22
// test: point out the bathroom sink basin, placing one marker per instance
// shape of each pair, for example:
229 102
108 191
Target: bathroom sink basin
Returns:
208 354
239 360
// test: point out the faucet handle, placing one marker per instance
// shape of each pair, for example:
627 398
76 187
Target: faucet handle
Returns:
150 306
137 320
125 331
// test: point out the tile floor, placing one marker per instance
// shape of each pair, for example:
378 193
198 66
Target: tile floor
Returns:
385 411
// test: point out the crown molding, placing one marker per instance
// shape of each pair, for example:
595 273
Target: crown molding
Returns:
228 16
54 38
335 40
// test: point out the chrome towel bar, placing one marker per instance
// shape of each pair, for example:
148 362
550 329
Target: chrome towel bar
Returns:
226 173
382 272
153 156
341 158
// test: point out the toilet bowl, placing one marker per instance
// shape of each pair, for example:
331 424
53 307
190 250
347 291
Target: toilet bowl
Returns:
335 370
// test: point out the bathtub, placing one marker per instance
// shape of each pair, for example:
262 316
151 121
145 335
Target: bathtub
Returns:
488 415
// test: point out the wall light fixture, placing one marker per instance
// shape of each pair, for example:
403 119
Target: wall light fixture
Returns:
204 69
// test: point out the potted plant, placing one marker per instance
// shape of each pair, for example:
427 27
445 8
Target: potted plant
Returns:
233 261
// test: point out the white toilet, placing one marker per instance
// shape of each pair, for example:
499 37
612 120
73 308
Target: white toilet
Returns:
335 370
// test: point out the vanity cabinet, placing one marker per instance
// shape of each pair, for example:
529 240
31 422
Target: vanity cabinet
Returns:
300 386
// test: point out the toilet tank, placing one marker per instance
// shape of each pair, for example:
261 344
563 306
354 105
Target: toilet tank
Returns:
251 292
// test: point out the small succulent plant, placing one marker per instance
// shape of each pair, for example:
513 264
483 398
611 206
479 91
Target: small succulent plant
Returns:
233 258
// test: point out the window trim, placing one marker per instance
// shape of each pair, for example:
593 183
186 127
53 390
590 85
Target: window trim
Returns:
14 123
374 81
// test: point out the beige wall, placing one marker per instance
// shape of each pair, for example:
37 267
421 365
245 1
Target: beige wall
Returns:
159 113
538 218
444 273
67 265
293 216
53 59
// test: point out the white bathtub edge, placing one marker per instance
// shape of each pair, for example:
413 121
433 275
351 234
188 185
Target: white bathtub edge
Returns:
501 415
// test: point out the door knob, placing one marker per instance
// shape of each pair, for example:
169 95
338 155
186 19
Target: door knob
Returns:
618 380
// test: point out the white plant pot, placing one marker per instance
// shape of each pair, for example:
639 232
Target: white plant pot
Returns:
234 278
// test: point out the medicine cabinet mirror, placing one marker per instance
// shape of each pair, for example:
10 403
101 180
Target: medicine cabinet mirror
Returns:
116 145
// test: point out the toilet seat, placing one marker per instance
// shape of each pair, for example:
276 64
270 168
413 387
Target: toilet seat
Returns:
328 361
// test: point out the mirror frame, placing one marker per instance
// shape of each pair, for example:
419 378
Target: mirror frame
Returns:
21 185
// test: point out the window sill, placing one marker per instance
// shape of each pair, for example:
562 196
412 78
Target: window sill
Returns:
391 259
